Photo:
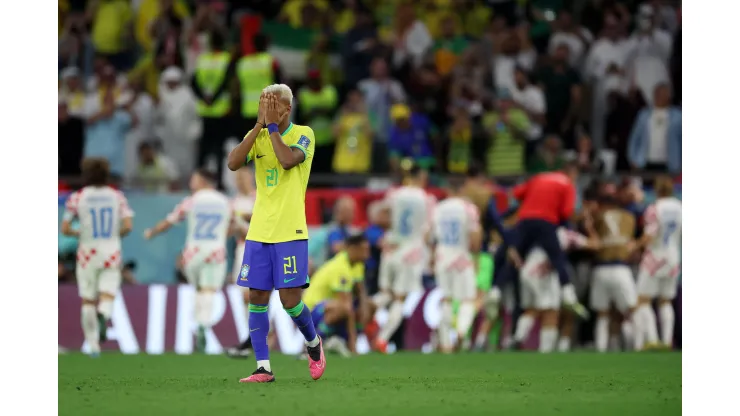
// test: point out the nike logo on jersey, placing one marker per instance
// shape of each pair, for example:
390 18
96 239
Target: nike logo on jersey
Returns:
288 280
259 156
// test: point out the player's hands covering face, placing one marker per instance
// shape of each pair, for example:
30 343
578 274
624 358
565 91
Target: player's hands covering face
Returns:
272 110
261 109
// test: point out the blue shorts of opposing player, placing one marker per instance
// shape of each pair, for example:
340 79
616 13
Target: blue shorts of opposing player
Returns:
268 266
336 329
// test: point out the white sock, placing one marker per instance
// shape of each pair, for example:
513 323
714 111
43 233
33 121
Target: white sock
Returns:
523 326
314 342
395 317
628 333
639 320
105 308
564 344
601 334
89 319
445 325
666 323
548 338
649 324
204 308
264 364
465 318
480 340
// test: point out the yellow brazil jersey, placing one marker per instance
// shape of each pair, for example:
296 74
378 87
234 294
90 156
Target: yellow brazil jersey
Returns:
280 209
335 276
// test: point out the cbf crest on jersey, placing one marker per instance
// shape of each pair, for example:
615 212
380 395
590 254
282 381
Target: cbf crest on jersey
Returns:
304 141
245 272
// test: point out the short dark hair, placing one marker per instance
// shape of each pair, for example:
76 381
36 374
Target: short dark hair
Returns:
95 171
207 175
355 239
261 41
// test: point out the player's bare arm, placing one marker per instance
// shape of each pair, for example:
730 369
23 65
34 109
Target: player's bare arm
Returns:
161 227
346 300
288 157
68 230
127 224
239 154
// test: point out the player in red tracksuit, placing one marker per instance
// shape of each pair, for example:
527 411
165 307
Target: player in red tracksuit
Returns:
545 201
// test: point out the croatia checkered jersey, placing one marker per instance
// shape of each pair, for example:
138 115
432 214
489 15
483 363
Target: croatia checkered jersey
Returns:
209 214
662 220
538 265
453 220
411 213
100 210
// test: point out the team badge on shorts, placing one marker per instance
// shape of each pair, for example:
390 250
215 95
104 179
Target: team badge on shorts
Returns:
245 272
304 141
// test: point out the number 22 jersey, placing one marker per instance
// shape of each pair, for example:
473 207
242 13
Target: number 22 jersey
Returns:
280 209
209 214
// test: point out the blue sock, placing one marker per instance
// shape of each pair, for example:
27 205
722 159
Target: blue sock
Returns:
302 317
259 327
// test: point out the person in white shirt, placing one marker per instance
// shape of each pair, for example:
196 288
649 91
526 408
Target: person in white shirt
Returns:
577 38
648 51
660 266
209 215
531 99
142 105
511 55
104 217
179 125
406 255
412 40
457 234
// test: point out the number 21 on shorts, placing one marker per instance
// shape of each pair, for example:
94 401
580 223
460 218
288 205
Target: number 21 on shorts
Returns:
289 267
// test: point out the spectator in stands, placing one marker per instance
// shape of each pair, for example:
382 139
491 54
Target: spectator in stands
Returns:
302 13
341 226
354 136
142 105
507 128
148 13
585 155
515 51
410 137
72 92
169 50
473 71
71 133
655 141
381 92
531 99
622 111
112 30
475 16
154 172
208 21
357 49
430 94
105 133
666 16
562 86
607 53
410 38
461 135
179 126
648 54
449 47
549 157
105 81
75 47
346 16
317 103
577 38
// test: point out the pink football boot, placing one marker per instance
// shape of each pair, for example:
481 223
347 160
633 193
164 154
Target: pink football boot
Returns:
260 376
316 367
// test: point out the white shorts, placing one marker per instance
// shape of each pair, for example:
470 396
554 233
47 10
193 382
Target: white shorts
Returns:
658 278
540 293
92 281
613 283
205 269
455 274
401 270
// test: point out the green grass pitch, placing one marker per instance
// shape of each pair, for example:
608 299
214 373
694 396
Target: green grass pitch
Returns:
401 384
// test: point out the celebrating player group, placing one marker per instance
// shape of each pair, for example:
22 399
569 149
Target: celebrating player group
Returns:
423 237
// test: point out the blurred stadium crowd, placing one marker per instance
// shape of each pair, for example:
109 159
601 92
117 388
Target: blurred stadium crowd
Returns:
496 89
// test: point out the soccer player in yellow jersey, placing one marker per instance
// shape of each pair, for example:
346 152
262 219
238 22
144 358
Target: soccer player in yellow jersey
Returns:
276 249
330 296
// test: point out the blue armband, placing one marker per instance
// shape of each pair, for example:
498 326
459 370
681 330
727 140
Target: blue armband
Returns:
273 128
